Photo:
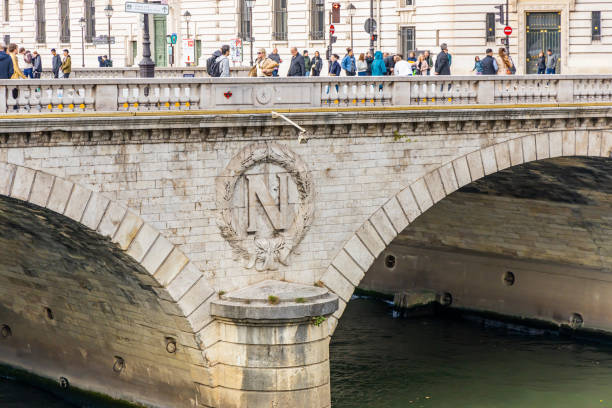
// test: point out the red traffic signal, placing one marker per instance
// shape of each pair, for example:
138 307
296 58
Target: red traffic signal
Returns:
335 13
332 29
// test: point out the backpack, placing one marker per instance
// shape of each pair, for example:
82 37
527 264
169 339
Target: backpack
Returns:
512 68
212 67
27 58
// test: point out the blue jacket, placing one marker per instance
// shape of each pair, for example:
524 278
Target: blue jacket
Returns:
334 68
6 66
349 64
378 66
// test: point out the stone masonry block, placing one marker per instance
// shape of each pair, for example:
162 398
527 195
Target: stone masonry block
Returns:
515 148
7 173
449 181
142 242
171 267
529 149
396 214
556 144
360 254
95 210
195 296
130 225
347 267
338 284
371 239
434 185
582 143
462 171
201 317
185 279
77 202
381 223
489 163
22 184
569 143
409 204
594 143
474 161
502 156
542 146
157 254
421 194
59 195
606 144
43 183
111 219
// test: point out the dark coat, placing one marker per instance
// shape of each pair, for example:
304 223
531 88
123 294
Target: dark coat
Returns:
56 63
487 66
369 61
443 64
390 64
275 57
37 63
317 65
542 62
335 69
297 67
6 66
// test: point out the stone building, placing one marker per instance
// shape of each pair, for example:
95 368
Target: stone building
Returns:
580 30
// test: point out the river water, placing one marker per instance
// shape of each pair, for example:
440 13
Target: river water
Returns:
378 361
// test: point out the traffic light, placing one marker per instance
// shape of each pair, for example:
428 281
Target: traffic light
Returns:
373 37
333 39
336 13
501 18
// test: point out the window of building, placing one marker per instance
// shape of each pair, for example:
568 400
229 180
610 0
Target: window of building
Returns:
596 25
90 20
64 21
409 3
317 21
5 10
280 20
490 34
41 35
245 21
407 41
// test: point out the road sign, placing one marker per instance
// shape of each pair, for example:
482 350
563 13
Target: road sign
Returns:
332 29
147 8
508 30
370 26
173 38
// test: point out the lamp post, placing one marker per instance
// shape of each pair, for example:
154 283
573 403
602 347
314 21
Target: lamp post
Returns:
147 65
351 9
108 10
187 17
82 22
372 31
250 4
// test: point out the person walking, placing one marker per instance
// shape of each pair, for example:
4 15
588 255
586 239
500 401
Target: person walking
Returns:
551 63
223 62
505 65
541 63
489 64
443 61
17 73
429 60
369 60
275 57
25 62
317 64
422 65
477 65
36 64
401 67
56 63
6 64
334 66
348 63
362 65
66 65
297 67
378 66
307 63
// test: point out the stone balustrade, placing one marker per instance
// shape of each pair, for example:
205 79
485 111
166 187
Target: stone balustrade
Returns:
236 94
134 72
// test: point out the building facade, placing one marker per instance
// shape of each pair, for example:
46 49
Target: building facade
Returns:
580 31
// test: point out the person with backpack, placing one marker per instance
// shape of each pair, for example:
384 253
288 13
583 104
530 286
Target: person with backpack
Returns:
222 64
36 64
25 60
6 65
334 66
210 63
443 61
504 63
348 63
489 64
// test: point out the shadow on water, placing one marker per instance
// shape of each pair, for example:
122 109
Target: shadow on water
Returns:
378 361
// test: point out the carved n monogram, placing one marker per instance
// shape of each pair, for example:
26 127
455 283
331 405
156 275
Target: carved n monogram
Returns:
264 230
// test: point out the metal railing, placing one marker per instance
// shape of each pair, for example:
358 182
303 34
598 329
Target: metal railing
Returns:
236 94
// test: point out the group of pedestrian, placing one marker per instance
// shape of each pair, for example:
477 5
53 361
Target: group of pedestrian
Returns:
19 63
502 64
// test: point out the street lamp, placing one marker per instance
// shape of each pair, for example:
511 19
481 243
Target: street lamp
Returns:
82 22
108 10
187 17
351 9
250 4
147 65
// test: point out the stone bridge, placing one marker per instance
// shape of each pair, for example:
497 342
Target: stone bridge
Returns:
193 243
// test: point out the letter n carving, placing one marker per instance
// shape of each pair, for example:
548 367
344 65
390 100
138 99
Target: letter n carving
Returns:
258 190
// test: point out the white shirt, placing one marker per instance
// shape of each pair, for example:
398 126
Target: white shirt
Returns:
402 68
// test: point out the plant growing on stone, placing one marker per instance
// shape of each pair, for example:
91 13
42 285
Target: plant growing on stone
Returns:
273 300
221 293
318 320
300 300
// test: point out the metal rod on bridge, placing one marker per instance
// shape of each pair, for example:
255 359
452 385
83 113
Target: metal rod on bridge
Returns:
147 65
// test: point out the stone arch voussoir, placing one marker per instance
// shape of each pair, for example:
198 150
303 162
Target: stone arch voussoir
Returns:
358 254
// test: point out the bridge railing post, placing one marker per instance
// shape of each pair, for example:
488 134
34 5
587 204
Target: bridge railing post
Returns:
565 91
3 106
400 93
105 97
486 92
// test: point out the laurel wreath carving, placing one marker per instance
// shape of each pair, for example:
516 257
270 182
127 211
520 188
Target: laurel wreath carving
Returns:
268 253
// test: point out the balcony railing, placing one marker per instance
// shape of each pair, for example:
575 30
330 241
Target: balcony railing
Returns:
236 94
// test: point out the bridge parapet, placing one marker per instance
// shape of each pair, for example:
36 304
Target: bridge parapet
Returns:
243 94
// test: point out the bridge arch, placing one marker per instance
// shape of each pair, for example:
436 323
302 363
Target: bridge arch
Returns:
360 251
163 278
